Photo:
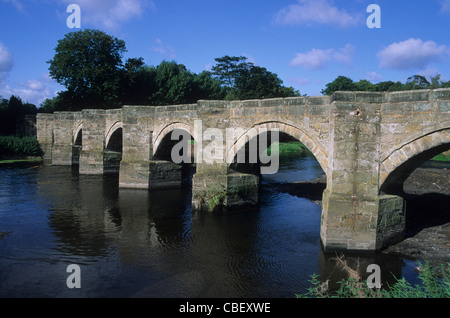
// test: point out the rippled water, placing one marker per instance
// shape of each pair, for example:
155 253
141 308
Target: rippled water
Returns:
131 243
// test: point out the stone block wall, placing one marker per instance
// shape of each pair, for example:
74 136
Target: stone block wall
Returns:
364 141
44 133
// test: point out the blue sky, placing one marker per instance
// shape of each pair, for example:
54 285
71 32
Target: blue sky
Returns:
308 43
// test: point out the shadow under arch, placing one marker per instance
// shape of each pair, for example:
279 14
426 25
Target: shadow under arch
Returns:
398 164
175 143
77 144
113 149
165 136
311 189
287 132
424 207
114 137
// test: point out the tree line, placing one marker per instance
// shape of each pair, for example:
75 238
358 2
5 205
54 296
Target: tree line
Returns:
343 83
11 110
89 64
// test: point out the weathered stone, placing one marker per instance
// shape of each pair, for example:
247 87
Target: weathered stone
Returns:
364 141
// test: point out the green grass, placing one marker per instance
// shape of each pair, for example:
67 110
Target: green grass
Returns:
442 157
290 148
13 161
435 283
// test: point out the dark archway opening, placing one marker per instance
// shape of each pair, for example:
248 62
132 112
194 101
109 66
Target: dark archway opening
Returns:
298 172
115 141
424 185
76 148
178 147
113 153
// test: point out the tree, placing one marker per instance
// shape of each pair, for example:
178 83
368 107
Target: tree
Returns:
174 84
138 82
228 68
12 111
207 87
364 85
417 82
89 64
341 83
258 82
244 80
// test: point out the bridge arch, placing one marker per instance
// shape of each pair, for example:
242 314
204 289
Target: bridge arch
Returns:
113 137
319 152
397 164
165 133
77 135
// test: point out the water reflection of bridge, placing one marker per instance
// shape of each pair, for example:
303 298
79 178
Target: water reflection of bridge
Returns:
113 233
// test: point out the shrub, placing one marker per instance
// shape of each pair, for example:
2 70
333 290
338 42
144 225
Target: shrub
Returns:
19 146
435 283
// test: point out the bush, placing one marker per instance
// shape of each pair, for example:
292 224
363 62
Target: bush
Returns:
435 283
13 146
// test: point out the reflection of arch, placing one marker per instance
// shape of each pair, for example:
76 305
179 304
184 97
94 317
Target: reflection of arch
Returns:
111 131
158 137
314 146
77 136
398 163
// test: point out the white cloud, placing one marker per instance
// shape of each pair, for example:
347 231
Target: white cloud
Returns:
429 72
15 3
110 14
310 12
373 77
165 50
445 6
319 59
412 54
33 91
6 61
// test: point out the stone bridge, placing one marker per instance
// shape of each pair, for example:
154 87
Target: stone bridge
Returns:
367 143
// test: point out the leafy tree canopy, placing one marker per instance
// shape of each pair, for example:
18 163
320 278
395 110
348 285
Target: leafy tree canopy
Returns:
244 80
89 64
12 110
342 83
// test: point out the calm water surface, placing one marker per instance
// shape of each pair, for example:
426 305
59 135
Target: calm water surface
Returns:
132 243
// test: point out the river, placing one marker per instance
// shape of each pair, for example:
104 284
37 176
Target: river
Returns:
134 243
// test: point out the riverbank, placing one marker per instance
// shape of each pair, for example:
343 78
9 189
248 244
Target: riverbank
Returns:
427 195
428 217
20 160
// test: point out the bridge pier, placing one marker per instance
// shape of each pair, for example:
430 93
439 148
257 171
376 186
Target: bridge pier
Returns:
218 187
44 131
151 175
61 151
355 216
350 223
91 159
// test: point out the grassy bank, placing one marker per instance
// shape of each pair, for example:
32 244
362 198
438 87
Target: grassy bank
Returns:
435 283
14 161
291 148
442 157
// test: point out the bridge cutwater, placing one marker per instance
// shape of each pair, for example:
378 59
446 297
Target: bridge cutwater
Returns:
367 143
